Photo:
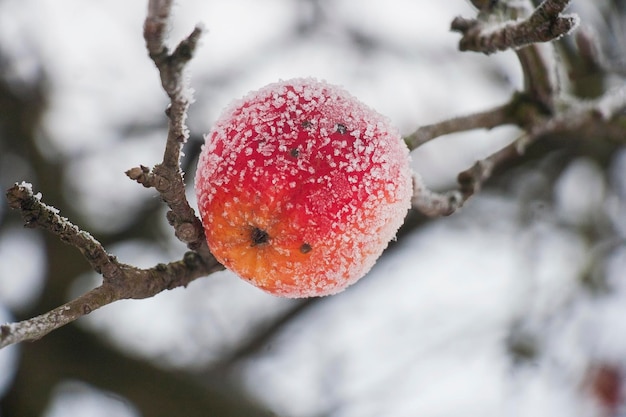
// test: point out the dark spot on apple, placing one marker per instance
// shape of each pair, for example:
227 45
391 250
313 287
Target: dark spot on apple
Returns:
259 236
260 142
307 124
295 152
342 129
305 248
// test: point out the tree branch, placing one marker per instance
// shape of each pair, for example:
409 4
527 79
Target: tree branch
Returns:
37 327
37 214
545 24
540 75
533 109
167 177
602 118
501 115
434 204
470 182
121 281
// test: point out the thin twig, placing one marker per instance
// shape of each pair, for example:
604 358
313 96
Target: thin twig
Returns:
471 180
120 281
136 284
38 214
498 116
545 24
37 327
532 109
434 204
156 26
540 77
605 118
167 177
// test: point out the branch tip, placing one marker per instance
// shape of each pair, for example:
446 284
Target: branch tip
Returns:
546 23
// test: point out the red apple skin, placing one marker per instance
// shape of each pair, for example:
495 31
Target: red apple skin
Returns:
300 188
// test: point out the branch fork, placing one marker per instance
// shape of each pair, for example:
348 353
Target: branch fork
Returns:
545 24
540 110
122 281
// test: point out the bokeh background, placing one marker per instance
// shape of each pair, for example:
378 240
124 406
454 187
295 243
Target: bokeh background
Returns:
515 306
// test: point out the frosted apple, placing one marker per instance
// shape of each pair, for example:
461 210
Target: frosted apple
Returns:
300 188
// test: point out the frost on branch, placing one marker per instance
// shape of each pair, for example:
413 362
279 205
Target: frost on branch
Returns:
121 281
545 24
542 110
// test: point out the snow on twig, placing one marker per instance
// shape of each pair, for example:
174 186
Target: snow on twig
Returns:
545 24
121 281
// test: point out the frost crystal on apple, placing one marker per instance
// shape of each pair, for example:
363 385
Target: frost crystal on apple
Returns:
300 187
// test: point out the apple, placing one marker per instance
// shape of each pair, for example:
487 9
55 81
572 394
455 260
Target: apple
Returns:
300 187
